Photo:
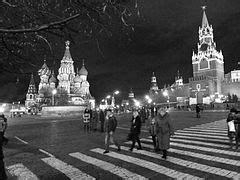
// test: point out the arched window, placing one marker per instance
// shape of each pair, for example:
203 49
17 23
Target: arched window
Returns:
30 97
203 64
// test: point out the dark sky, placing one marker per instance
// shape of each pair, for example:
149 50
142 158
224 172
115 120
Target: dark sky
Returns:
163 40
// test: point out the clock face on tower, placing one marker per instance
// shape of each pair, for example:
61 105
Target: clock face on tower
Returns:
203 47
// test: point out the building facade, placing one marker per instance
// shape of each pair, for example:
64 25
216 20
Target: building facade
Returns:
73 85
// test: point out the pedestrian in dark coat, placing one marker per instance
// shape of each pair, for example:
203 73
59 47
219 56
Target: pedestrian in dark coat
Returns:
110 127
198 109
102 119
136 130
3 175
86 120
164 129
94 120
153 133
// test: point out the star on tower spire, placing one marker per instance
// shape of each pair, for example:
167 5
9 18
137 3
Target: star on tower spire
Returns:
204 19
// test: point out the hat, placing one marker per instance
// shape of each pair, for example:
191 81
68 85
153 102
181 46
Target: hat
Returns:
233 110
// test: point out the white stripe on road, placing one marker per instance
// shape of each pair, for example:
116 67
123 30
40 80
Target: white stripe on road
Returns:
119 171
200 143
21 172
206 157
205 130
24 142
212 150
45 152
148 165
201 139
68 170
206 133
193 142
201 135
189 164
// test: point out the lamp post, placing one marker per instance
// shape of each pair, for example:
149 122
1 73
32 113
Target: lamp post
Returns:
113 98
165 93
149 100
54 91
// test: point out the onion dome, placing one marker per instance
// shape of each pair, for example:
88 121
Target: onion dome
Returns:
83 70
77 78
44 70
52 78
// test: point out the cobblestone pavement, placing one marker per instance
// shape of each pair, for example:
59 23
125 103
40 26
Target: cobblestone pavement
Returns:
198 152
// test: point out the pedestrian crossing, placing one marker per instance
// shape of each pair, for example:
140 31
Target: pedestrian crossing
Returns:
199 152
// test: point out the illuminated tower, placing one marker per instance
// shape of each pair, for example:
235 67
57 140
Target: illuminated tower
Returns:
31 93
66 72
208 61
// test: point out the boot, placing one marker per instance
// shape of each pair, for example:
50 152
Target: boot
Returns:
164 154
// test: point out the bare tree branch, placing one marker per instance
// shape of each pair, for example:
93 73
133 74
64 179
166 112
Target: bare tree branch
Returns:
7 3
51 25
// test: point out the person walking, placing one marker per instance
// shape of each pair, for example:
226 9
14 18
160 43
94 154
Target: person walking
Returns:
135 130
94 120
152 131
110 127
102 119
164 130
86 120
198 109
233 122
3 126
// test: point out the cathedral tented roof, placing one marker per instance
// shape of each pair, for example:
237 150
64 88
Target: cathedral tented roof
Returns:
52 79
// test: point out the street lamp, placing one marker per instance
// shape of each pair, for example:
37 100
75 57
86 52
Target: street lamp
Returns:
165 93
54 91
113 98
149 100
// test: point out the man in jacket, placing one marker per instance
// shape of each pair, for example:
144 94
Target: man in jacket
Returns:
110 127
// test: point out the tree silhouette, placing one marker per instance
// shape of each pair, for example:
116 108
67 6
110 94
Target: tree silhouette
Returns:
28 27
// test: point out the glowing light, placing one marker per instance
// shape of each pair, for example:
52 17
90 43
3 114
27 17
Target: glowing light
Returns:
54 91
165 93
116 92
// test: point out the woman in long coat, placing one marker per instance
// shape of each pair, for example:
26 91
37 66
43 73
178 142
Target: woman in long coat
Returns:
135 130
164 129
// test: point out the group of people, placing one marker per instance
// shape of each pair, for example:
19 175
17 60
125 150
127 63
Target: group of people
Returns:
91 119
160 129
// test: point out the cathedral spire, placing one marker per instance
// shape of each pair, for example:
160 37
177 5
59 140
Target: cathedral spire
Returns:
204 18
67 55
31 87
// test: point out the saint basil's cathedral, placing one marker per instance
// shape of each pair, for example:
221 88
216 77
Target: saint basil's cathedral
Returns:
209 83
74 85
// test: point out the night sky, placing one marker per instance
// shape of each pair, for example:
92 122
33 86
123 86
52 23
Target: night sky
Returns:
164 37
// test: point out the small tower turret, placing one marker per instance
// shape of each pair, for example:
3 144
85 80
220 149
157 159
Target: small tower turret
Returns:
31 93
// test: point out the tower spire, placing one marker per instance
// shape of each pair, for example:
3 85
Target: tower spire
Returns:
67 55
204 18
